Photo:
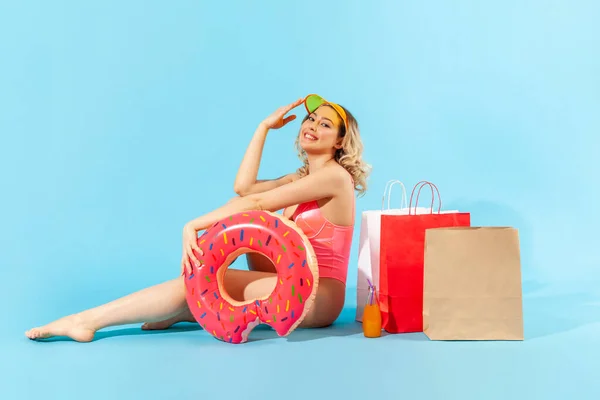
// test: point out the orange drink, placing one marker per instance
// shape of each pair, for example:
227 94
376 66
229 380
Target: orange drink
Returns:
372 316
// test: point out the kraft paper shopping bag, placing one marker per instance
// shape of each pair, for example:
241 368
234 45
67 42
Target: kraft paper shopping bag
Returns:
472 284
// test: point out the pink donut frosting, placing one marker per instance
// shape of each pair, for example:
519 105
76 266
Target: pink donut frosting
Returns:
284 244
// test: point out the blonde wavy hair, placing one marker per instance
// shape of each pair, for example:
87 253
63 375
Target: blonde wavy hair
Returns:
349 156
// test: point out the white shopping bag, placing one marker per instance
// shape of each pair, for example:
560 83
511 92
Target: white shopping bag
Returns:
369 240
368 251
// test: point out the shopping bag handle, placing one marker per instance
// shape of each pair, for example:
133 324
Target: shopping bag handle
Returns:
385 191
432 186
388 191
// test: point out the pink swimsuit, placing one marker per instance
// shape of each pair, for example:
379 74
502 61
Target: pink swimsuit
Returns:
331 242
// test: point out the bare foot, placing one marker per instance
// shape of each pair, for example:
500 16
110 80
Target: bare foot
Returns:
72 326
167 323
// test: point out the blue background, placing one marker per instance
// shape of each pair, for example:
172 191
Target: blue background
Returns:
121 121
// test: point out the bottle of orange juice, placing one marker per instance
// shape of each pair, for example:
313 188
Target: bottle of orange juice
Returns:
372 315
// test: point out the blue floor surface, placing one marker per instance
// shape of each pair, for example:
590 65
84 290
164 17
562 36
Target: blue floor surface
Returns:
560 359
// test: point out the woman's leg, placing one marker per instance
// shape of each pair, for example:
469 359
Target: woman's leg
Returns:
247 285
167 300
184 316
155 303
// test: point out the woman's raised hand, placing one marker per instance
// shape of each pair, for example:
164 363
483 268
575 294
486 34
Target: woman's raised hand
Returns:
277 120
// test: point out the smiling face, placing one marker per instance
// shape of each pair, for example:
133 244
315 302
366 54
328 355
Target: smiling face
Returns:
322 133
319 133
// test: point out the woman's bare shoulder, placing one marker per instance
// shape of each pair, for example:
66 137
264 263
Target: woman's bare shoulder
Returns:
344 178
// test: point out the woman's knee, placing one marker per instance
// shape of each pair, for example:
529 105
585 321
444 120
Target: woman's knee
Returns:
262 286
248 285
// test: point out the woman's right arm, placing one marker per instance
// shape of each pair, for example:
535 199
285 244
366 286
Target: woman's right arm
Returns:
246 180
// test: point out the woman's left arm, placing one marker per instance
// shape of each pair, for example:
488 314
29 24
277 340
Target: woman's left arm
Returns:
327 182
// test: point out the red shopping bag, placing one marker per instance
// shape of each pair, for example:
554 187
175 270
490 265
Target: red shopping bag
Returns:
402 249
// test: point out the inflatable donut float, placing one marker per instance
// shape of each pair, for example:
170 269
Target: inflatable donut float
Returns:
277 238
